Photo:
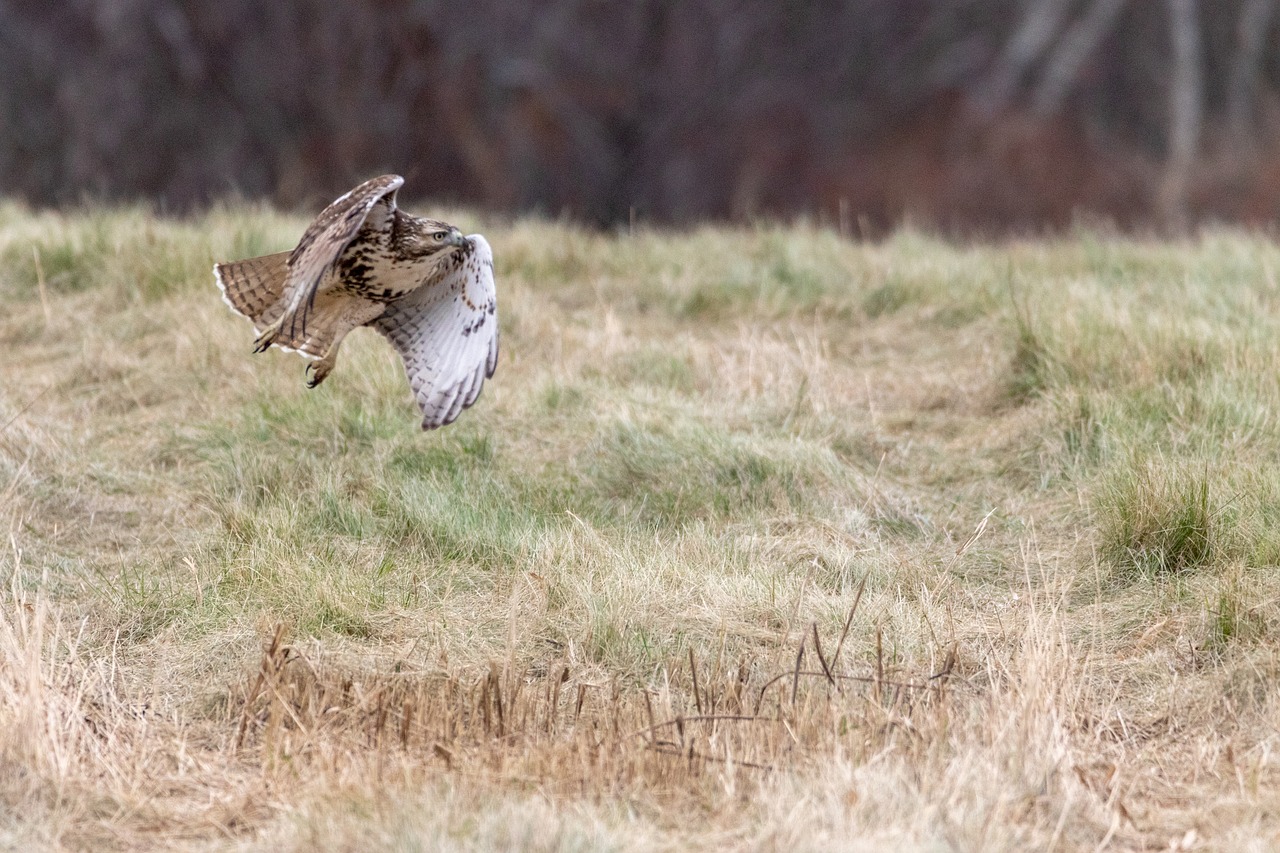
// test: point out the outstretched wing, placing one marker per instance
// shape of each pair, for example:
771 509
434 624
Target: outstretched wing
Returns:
369 206
447 334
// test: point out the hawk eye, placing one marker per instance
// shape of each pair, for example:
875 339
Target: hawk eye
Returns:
440 235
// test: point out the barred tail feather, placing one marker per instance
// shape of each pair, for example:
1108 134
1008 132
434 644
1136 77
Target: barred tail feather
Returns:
254 288
313 335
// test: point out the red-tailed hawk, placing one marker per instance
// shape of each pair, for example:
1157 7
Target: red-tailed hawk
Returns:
362 262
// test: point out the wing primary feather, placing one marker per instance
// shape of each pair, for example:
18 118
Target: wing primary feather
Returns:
473 389
446 404
459 398
311 304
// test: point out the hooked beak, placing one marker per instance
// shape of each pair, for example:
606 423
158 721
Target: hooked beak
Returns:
456 239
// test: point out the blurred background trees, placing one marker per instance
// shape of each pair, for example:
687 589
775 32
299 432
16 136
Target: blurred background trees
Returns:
969 115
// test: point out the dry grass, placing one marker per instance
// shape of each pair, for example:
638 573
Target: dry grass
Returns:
759 540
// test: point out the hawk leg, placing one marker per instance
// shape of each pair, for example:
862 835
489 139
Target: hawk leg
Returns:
320 369
268 336
351 313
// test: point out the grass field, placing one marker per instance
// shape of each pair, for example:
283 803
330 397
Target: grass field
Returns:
758 539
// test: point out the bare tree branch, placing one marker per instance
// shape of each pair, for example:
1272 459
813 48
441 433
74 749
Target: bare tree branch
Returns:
1186 96
1246 69
1040 23
1076 46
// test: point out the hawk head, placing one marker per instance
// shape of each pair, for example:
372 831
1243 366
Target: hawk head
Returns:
426 237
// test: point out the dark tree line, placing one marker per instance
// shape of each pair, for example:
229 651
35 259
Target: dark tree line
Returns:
963 113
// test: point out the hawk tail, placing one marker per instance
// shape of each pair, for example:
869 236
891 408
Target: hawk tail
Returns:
254 288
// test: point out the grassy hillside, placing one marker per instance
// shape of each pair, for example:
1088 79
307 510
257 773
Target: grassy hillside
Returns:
758 539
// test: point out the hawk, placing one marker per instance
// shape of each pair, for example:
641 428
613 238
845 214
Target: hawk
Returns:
363 262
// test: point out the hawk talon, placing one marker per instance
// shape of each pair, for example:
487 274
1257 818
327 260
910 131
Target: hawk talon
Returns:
319 370
264 341
268 336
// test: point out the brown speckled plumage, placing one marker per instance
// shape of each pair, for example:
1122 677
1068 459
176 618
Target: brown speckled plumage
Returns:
363 262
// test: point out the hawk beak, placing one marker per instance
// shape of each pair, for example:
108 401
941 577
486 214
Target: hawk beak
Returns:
457 239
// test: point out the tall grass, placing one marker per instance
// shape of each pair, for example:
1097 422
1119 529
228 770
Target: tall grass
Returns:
759 538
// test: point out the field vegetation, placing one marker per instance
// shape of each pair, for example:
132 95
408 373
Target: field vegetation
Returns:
759 539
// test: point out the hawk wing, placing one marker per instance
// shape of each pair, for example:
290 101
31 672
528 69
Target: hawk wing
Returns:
447 334
369 206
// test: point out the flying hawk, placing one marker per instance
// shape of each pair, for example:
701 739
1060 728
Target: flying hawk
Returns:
426 288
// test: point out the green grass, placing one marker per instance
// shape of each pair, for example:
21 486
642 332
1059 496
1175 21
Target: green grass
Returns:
1047 468
1158 522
